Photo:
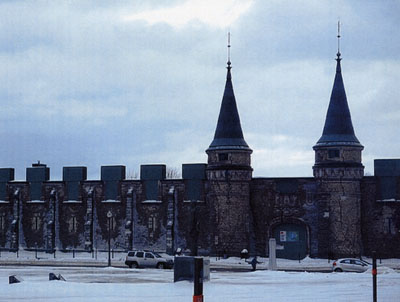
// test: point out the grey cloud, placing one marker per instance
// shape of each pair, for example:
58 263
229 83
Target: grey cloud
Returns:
80 86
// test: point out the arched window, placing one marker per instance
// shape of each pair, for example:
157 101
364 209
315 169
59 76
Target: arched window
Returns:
151 223
333 153
388 226
2 222
72 224
36 222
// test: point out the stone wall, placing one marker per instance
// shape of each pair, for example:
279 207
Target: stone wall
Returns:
56 222
343 203
226 216
380 221
276 201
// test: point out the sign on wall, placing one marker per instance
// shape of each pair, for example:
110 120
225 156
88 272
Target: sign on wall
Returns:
293 236
288 236
282 236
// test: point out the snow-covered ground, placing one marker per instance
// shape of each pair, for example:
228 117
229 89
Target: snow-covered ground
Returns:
122 284
231 280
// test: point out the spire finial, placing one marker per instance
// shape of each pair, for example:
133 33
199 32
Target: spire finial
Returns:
338 36
229 49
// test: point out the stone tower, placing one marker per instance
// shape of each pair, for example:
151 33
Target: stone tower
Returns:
338 171
229 174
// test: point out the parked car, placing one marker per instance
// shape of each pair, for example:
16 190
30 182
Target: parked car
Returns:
350 265
139 258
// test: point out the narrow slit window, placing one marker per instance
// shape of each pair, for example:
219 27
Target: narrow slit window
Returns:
36 223
333 153
2 223
222 156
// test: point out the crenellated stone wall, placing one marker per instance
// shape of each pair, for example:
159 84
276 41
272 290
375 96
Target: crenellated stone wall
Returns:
221 215
380 221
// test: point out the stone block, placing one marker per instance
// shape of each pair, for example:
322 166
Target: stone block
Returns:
58 277
38 173
112 173
194 171
14 279
74 174
153 172
387 167
184 269
6 174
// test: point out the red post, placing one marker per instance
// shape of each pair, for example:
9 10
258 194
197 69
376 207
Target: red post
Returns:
198 298
198 280
374 272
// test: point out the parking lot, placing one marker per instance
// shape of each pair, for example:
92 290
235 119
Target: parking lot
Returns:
124 284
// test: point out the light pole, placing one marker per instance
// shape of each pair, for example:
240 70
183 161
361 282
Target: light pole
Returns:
109 215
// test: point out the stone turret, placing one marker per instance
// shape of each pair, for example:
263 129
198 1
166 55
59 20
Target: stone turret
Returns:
229 174
338 171
338 146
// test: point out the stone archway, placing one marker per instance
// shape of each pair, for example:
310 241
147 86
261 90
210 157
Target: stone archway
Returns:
291 240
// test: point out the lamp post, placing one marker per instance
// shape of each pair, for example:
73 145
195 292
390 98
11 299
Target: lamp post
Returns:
109 215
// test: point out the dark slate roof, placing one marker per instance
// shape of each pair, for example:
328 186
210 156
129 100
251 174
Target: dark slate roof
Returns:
338 127
228 134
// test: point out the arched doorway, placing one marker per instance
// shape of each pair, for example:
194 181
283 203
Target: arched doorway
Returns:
291 240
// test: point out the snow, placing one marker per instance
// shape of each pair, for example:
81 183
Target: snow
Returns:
151 201
231 280
121 284
72 201
388 200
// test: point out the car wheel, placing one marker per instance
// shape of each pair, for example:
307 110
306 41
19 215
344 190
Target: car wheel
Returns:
134 265
130 265
338 270
160 265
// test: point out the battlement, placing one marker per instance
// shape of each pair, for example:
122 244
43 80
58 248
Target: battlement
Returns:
75 179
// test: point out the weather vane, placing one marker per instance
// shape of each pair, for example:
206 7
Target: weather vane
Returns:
229 48
338 36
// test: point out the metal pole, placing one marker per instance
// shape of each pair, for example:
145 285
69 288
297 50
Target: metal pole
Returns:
109 241
198 280
374 272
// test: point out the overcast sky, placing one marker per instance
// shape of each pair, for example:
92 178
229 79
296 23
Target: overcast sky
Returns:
96 83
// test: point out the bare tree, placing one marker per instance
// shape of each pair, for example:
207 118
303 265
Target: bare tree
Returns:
172 173
132 174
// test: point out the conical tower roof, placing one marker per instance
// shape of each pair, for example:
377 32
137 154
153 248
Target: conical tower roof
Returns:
228 134
338 129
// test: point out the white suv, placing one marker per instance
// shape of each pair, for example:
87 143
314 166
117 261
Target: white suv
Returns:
136 259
